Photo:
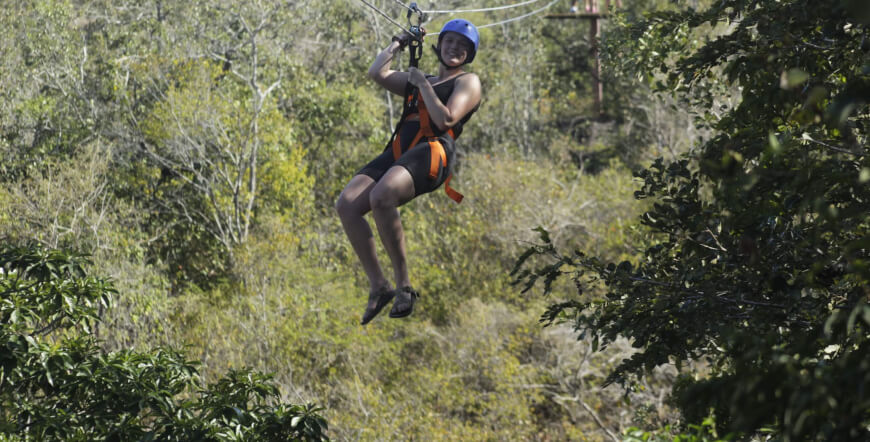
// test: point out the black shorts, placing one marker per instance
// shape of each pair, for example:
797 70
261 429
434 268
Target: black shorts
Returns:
415 159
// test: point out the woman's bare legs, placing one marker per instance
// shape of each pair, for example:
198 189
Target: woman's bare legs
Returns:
351 206
394 189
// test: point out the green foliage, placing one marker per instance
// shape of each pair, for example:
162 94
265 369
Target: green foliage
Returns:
65 387
468 365
120 120
59 108
212 157
703 432
758 256
340 129
447 242
47 290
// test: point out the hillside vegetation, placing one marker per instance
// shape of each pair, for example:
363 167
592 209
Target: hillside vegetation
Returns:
194 150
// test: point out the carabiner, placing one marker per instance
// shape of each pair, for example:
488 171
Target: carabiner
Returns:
421 16
415 46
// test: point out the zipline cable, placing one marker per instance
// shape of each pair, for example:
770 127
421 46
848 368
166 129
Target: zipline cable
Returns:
496 8
405 6
386 16
521 16
536 11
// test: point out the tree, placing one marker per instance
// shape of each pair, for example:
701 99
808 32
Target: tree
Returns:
203 147
759 245
53 97
56 383
205 129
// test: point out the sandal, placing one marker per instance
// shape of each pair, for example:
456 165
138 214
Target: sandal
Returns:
377 301
404 305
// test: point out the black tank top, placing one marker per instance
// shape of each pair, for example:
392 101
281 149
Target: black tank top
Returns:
443 91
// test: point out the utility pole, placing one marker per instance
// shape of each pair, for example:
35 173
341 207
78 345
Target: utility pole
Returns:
594 15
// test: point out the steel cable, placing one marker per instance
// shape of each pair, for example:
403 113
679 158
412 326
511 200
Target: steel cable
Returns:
521 16
496 8
405 6
385 16
536 11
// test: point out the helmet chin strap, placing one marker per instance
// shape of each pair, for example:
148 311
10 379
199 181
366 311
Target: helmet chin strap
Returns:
438 54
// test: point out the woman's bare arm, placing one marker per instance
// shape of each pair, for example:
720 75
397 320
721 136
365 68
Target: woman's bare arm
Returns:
380 72
466 95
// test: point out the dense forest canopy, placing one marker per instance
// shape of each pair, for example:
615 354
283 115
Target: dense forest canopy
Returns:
758 262
715 214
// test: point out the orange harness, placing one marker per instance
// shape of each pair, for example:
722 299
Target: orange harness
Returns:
438 155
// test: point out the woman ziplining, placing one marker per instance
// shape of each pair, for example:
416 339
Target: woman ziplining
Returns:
418 159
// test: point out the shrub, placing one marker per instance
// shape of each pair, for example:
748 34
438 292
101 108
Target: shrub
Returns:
57 383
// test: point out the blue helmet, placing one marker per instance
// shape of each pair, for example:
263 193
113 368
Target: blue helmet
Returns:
464 28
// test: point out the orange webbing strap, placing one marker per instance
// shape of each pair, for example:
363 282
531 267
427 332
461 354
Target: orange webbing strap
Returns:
425 128
397 144
397 148
438 155
437 158
437 152
424 119
453 194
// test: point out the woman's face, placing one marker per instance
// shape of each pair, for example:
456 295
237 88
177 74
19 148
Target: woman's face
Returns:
454 48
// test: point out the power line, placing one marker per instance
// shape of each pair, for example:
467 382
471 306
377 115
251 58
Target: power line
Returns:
497 8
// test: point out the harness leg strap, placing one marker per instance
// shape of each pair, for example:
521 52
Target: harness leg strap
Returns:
438 159
397 144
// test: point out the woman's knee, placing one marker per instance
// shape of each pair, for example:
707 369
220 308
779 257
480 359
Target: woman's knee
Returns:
393 190
383 197
346 206
342 205
354 199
